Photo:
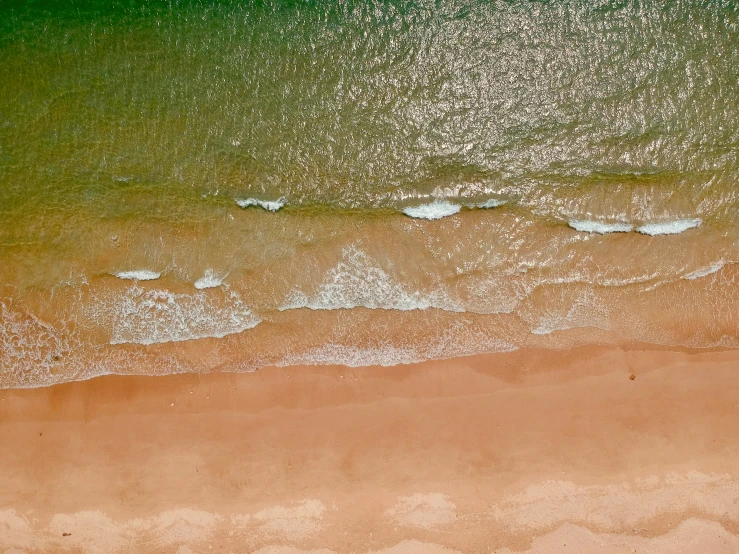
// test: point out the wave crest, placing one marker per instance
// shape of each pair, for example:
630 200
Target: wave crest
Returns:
269 205
586 226
669 227
442 208
139 275
432 211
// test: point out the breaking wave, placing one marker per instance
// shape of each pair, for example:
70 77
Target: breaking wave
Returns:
139 275
600 227
357 282
435 210
669 227
269 205
442 208
31 350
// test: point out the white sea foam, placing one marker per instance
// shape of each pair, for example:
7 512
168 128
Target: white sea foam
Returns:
442 208
585 310
269 205
209 280
36 353
697 274
31 350
669 227
435 210
138 275
155 316
357 282
600 227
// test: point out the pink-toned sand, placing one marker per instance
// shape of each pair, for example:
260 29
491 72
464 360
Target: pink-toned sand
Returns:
535 451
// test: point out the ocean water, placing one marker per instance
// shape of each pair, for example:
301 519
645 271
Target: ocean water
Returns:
201 186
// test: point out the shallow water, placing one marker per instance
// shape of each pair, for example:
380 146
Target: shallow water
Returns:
361 183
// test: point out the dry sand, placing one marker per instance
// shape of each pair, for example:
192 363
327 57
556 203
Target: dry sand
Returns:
532 451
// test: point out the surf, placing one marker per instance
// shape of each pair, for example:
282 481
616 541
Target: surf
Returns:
441 208
269 205
674 227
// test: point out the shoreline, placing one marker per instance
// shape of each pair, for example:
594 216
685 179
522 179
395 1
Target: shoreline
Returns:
355 300
478 454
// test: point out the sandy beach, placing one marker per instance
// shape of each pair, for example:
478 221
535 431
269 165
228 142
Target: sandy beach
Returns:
405 277
593 449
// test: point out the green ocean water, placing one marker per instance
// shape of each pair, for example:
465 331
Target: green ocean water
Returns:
605 135
141 109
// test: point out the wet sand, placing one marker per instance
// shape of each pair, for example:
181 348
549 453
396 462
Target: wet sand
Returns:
592 449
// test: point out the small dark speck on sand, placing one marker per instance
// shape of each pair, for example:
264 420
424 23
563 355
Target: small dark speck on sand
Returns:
632 377
41 433
66 534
